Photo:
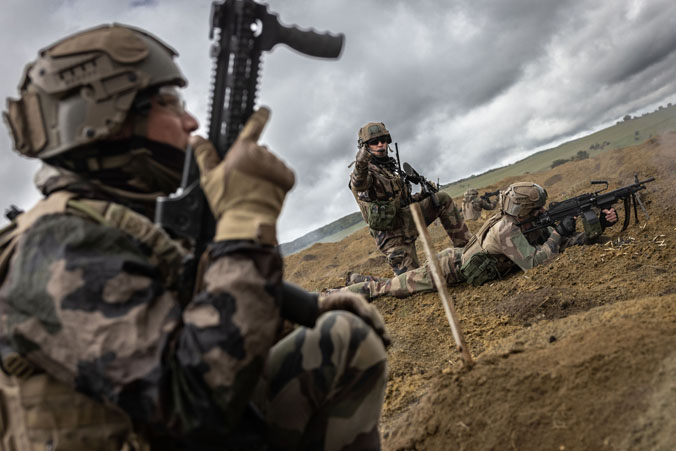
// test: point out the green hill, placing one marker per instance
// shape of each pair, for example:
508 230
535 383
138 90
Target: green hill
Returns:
628 132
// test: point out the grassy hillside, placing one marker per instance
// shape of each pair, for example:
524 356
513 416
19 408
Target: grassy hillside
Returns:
628 132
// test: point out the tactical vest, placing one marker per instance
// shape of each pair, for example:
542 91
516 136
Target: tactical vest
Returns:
37 412
381 205
478 265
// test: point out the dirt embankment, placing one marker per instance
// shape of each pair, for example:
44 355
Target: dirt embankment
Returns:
578 354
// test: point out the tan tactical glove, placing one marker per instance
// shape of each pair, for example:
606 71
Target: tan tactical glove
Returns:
363 157
355 303
246 190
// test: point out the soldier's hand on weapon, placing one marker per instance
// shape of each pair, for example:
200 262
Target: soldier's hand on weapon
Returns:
246 190
566 227
363 157
355 303
608 217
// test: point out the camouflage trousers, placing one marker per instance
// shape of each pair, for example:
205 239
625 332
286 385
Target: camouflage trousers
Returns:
399 245
323 388
418 280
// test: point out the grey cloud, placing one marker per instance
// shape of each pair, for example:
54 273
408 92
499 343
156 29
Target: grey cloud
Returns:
462 85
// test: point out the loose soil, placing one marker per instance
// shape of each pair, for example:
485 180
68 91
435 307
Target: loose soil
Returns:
579 354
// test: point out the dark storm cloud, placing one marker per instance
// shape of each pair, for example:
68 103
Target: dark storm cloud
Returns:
463 86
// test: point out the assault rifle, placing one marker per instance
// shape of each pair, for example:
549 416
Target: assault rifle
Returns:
243 30
405 182
428 188
582 205
488 194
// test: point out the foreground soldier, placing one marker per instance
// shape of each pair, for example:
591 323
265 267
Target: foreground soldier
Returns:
382 196
472 205
103 348
499 247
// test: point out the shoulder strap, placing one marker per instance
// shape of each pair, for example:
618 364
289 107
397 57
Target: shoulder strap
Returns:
480 236
166 251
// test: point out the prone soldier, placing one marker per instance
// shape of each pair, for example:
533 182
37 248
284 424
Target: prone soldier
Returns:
383 196
472 204
102 346
503 244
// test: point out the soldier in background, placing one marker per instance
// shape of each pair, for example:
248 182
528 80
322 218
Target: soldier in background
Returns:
472 204
102 346
384 197
498 248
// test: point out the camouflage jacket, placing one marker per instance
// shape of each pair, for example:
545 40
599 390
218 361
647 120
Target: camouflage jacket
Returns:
95 305
381 181
502 238
471 209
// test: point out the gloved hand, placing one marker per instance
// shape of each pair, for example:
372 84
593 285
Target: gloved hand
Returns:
363 157
608 218
246 190
566 227
355 303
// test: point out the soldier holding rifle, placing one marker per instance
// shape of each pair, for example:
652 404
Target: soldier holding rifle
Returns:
383 194
102 346
472 203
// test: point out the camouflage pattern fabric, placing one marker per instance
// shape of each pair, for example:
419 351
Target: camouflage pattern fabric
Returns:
471 208
381 181
504 240
90 305
332 378
418 280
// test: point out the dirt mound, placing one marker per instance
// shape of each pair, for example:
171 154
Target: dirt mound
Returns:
578 354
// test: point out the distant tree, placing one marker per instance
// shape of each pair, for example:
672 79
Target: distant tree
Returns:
582 155
559 162
627 117
669 105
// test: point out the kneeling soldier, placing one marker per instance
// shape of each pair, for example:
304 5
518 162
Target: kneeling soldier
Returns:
383 198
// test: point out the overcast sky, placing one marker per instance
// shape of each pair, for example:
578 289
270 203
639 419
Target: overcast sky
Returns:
463 86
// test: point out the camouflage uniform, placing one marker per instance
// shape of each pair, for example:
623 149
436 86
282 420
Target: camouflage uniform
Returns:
102 346
472 205
95 305
500 237
381 181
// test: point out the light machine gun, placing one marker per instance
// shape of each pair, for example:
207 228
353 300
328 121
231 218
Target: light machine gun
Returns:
243 30
582 205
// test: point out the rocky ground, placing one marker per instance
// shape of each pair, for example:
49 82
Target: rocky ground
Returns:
577 355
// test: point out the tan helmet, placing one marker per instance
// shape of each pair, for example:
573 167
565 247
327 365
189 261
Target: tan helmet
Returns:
373 130
81 89
521 198
471 194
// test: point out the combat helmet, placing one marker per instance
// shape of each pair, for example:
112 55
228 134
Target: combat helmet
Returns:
521 198
81 89
471 194
373 130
